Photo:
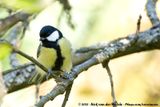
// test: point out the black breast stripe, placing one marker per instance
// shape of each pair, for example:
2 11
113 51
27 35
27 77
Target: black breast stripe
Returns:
59 60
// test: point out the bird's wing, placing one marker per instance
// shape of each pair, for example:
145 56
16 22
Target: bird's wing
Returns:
38 50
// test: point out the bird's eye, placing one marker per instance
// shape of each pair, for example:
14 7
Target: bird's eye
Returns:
41 39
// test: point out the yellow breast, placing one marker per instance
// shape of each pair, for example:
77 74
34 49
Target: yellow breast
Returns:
47 57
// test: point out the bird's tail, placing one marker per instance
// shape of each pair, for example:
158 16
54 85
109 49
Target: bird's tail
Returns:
37 77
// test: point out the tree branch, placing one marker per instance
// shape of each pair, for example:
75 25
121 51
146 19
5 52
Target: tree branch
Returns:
67 9
105 65
11 20
68 90
144 41
150 7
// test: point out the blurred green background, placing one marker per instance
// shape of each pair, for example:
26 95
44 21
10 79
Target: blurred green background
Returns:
136 76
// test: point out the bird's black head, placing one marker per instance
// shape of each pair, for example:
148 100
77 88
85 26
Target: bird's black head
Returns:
49 33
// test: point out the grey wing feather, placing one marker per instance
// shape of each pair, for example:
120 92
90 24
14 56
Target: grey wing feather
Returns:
37 77
38 50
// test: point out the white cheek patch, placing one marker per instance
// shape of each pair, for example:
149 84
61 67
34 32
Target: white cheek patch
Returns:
53 37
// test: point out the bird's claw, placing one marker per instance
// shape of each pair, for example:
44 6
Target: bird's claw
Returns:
49 74
65 75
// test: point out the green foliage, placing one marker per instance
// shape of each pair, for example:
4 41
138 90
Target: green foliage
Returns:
27 5
5 50
3 12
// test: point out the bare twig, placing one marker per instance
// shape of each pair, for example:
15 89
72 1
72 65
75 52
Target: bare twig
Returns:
67 9
68 90
37 93
138 24
105 65
17 68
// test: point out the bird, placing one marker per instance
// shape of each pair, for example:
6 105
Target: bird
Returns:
54 53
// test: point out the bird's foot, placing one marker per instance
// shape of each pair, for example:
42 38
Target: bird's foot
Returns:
66 75
50 73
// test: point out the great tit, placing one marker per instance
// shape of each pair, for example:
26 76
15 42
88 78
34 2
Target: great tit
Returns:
54 52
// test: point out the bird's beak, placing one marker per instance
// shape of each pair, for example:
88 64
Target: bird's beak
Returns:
41 39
